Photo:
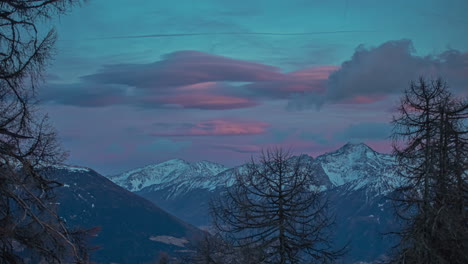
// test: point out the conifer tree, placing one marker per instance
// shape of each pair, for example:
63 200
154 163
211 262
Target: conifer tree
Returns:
431 146
30 229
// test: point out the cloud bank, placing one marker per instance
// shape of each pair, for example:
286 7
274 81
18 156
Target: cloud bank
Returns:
374 73
198 80
217 127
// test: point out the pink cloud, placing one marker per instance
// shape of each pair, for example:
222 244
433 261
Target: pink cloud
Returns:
184 68
218 128
203 86
305 80
362 99
315 73
216 95
194 71
204 101
218 68
193 79
240 148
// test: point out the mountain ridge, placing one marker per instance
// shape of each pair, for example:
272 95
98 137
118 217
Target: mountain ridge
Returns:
133 229
349 163
174 171
356 180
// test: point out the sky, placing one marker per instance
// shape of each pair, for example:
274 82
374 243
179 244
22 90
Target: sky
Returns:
138 82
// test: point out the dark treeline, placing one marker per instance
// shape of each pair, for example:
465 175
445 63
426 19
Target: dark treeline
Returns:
430 143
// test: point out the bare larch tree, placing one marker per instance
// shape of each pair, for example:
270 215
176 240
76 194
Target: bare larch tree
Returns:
275 208
431 146
215 249
30 229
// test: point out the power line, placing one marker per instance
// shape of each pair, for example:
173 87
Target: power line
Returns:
233 33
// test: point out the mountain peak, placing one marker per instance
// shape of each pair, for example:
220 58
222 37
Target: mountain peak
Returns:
172 172
353 151
174 161
355 147
207 162
353 161
302 158
208 166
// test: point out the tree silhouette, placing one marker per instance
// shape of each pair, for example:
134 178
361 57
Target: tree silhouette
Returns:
276 208
430 143
30 229
214 249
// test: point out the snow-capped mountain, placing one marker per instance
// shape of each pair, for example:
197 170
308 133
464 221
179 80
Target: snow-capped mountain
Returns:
354 165
358 166
355 178
172 172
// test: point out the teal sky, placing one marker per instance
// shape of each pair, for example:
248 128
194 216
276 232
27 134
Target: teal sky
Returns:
137 82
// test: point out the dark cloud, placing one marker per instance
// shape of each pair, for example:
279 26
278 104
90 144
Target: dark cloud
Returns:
373 73
299 82
206 101
198 80
206 95
240 148
184 68
380 70
84 94
188 79
219 127
184 79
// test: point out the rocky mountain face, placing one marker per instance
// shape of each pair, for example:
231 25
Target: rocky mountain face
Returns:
172 172
132 229
356 179
357 166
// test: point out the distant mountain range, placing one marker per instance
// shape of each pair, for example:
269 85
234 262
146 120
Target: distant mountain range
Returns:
353 163
156 208
356 178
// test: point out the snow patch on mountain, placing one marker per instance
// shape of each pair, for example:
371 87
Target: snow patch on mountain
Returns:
172 172
70 168
170 240
358 166
355 165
